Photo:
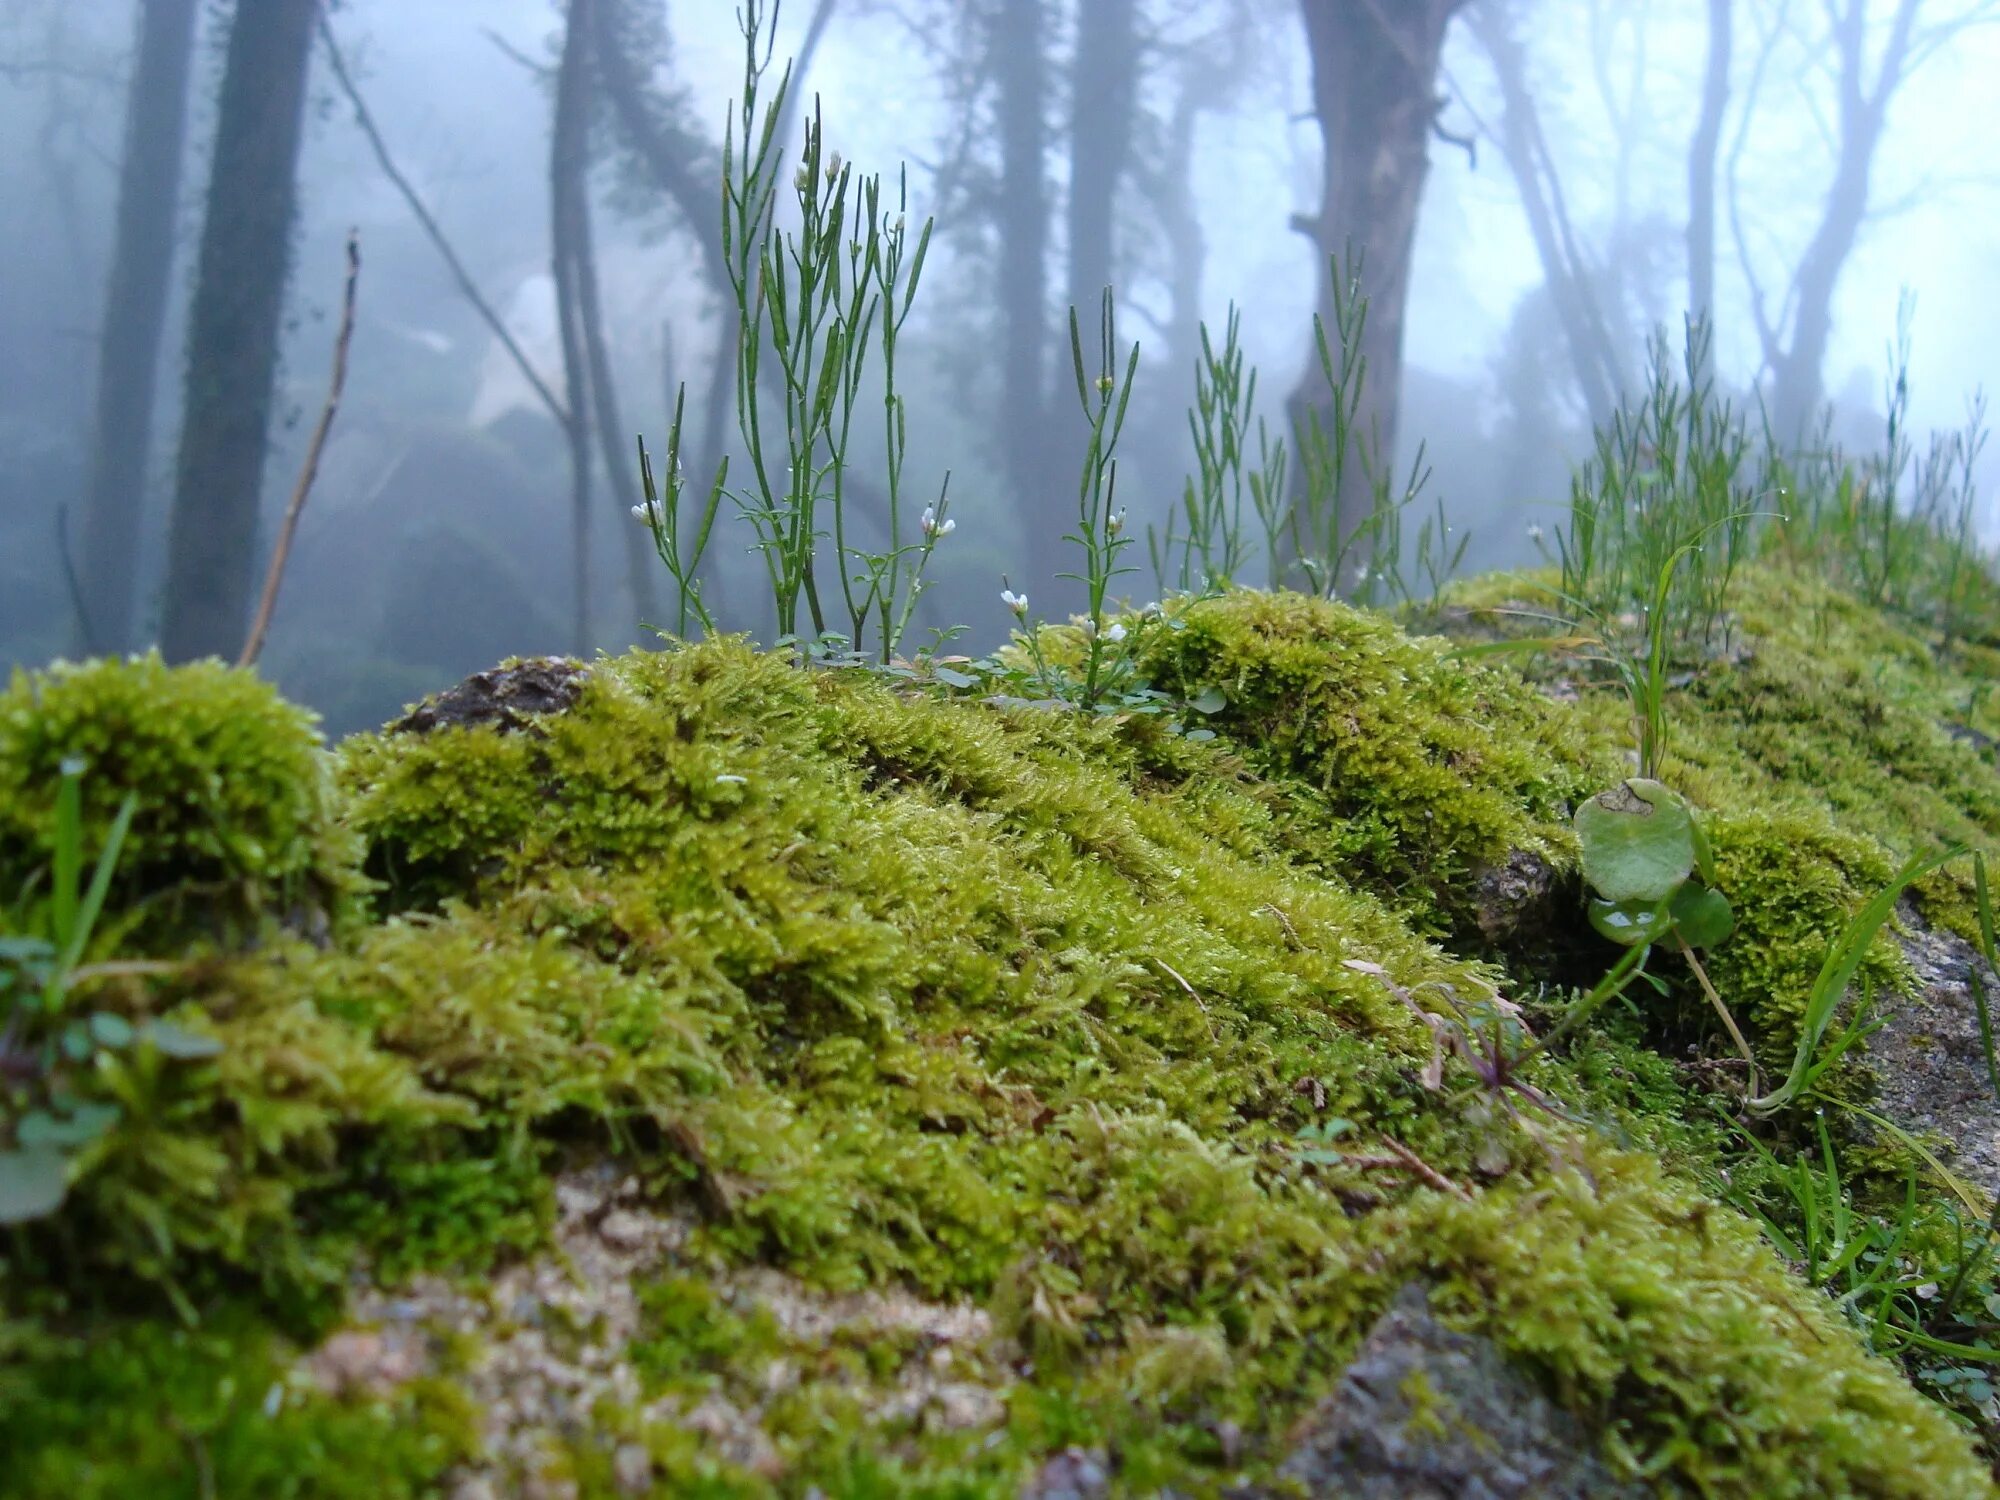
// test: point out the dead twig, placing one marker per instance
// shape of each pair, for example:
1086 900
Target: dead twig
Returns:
274 575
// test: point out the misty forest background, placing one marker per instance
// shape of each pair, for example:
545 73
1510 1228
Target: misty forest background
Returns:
1534 187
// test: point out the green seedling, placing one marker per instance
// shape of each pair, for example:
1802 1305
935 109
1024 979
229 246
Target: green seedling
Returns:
1645 856
46 1051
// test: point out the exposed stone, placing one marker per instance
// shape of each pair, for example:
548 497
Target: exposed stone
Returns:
1072 1474
550 1338
367 1361
1513 895
1425 1413
1928 1060
512 696
632 1469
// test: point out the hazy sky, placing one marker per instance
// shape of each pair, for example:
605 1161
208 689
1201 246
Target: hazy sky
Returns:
472 123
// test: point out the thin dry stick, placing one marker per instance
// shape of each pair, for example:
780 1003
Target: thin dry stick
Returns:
275 574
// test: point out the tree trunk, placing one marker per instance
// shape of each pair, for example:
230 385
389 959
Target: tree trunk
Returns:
1104 84
614 441
1374 75
1522 143
232 355
135 307
567 210
1701 162
1796 370
1018 59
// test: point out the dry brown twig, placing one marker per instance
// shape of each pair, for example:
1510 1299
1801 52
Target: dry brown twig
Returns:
274 575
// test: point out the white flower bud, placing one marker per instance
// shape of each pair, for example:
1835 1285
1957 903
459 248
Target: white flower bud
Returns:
1115 633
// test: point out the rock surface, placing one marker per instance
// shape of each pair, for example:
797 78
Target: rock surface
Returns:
1424 1413
1928 1060
511 696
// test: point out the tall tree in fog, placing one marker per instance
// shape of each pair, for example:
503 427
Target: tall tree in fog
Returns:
672 158
129 332
1017 43
232 353
1525 148
1103 102
1795 339
1375 95
1702 152
569 220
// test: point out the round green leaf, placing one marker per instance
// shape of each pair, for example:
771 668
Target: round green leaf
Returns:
110 1031
178 1042
1701 916
1638 842
1631 922
82 1125
33 1183
1210 700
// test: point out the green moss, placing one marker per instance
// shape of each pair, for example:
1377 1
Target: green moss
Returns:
1425 766
1007 1005
141 1408
1668 1323
235 821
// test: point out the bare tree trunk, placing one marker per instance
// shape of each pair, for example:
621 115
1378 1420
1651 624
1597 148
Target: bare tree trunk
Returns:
1374 71
613 440
1173 197
1525 148
1104 86
232 353
1701 161
1018 59
1796 370
135 308
567 210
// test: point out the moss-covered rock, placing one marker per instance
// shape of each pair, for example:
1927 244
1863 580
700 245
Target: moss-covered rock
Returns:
1145 1050
1424 769
235 821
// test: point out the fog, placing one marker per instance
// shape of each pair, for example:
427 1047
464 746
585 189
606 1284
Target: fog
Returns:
438 533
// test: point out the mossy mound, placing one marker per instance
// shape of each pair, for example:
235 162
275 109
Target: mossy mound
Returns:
235 815
1069 1020
1421 767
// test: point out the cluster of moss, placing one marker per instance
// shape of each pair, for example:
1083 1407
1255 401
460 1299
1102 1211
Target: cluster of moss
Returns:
1416 767
985 1002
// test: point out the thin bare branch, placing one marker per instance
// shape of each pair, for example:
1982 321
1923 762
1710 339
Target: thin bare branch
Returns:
459 274
295 507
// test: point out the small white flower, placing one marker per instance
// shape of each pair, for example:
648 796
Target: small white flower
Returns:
947 528
1535 534
899 223
1117 522
801 179
645 514
1115 633
1016 602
